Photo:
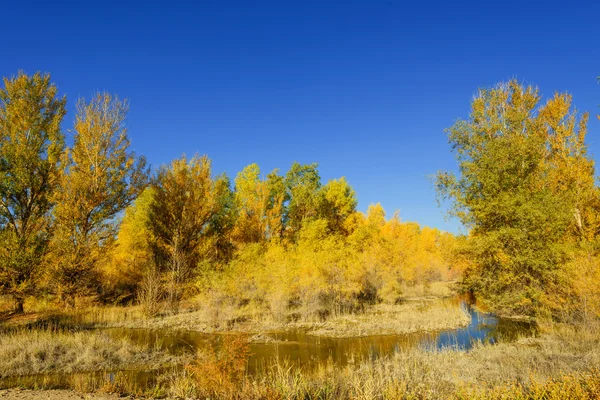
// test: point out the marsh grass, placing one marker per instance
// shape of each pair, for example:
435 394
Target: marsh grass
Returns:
385 319
562 361
28 352
380 319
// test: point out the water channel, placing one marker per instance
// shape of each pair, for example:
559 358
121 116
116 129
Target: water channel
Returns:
298 348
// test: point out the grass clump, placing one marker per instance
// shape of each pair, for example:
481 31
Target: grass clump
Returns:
27 352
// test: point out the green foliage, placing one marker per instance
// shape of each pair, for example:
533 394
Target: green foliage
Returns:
217 246
524 187
337 204
31 143
302 183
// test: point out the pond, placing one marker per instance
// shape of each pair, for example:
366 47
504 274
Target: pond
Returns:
297 348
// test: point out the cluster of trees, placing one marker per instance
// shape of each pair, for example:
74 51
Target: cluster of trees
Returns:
89 219
58 204
527 191
278 242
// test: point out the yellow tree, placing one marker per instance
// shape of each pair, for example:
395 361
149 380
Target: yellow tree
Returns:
185 200
276 200
260 206
131 258
251 197
31 143
101 178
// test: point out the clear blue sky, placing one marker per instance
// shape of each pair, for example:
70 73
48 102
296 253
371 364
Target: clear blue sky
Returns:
364 88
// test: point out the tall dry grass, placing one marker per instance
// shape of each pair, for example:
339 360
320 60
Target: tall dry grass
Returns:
28 352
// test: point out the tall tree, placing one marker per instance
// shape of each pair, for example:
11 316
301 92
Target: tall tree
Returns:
102 177
131 258
31 143
185 201
260 205
524 183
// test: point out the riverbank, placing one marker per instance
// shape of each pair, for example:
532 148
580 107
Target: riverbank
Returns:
379 319
29 352
563 362
73 350
433 309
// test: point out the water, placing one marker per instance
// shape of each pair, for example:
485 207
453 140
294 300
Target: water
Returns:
299 349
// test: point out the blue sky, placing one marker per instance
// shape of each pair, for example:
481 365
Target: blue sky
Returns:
364 88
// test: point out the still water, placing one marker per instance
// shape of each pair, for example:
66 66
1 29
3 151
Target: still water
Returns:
299 349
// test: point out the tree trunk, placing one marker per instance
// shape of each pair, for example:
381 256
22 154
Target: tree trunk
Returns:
19 306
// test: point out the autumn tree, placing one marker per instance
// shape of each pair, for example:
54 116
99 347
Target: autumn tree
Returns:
338 202
31 143
302 184
260 206
276 206
185 200
217 243
101 178
523 185
131 257
251 196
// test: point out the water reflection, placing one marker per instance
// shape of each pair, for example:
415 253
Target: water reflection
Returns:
299 348
302 350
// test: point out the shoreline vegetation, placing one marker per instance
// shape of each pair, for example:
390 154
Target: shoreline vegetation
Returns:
432 308
413 316
563 361
36 352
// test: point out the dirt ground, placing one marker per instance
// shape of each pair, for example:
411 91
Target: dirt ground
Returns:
18 394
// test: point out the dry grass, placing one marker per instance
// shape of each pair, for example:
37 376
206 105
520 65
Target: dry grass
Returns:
25 352
395 319
561 363
434 290
381 319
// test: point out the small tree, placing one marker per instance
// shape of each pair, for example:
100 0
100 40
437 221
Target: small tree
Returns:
31 143
100 179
